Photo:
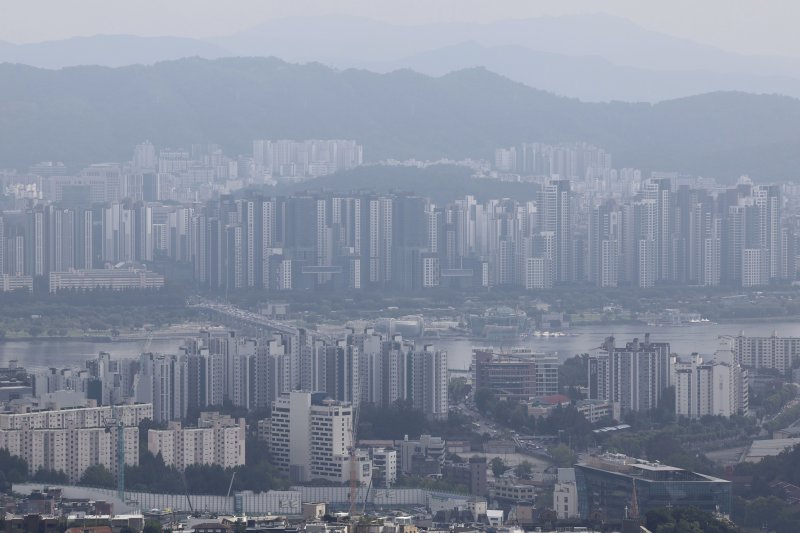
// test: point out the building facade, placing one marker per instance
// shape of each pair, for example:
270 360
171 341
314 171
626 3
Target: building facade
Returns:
217 440
608 485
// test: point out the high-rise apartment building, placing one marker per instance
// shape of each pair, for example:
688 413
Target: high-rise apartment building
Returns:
556 216
163 381
217 440
428 382
772 352
633 377
311 437
718 387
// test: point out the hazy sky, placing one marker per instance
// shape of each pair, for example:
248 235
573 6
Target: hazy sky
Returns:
745 26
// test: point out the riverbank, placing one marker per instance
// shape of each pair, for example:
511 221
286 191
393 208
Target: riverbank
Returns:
88 338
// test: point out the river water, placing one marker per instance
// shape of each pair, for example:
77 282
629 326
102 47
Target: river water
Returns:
704 339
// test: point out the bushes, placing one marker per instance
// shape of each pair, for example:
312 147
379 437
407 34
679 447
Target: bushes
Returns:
686 520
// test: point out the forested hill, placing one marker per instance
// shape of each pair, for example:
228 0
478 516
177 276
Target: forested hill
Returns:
88 114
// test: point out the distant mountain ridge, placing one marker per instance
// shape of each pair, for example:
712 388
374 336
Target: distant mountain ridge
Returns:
346 40
594 57
108 51
88 114
589 78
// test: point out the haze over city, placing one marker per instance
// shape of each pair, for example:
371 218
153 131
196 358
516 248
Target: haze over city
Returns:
399 267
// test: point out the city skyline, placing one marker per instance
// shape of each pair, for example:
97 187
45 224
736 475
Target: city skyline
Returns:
585 221
367 266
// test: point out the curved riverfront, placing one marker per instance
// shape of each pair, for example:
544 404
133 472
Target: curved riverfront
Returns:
702 338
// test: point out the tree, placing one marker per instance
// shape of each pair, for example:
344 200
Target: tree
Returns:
394 422
458 389
97 476
498 466
686 520
562 456
574 372
484 399
50 476
523 470
14 469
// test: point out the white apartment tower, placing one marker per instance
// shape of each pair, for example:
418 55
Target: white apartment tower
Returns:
310 438
718 387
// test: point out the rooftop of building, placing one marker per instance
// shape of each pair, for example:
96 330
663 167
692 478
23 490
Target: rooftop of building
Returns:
768 448
553 399
641 469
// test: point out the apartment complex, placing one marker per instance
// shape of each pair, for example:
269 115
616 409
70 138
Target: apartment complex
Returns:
217 440
218 366
72 440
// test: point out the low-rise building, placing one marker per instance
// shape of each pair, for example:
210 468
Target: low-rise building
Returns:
595 410
471 474
384 466
565 494
314 510
117 279
14 283
512 492
424 456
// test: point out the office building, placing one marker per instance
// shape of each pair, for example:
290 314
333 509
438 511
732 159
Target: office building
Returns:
519 374
608 484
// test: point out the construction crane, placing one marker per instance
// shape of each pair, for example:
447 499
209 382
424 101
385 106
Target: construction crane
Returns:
366 497
353 462
186 491
230 486
117 422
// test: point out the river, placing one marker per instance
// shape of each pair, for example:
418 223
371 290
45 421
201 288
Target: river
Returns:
38 354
